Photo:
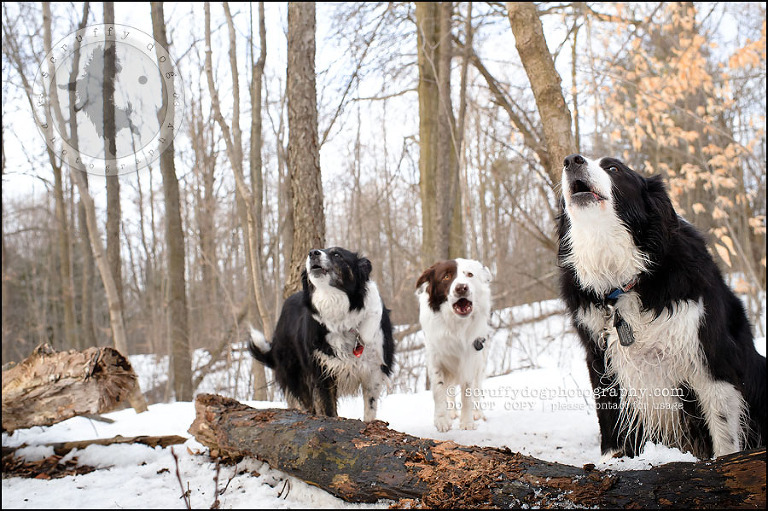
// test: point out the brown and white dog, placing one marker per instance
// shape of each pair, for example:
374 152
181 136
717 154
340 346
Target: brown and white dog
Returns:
454 311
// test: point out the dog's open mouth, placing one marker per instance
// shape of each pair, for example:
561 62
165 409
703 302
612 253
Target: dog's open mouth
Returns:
318 269
581 191
463 307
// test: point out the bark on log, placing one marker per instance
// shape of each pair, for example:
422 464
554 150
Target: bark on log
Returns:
365 462
49 386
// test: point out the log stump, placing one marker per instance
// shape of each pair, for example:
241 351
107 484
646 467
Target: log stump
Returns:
49 386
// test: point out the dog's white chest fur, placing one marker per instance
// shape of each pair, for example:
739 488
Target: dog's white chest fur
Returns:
345 329
448 342
602 251
666 355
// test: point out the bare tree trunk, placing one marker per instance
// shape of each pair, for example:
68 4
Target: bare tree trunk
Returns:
87 331
451 239
71 337
67 283
466 213
426 20
257 180
545 83
303 149
442 228
174 232
114 213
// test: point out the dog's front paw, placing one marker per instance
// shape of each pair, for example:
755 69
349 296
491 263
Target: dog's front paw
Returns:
443 423
478 415
468 425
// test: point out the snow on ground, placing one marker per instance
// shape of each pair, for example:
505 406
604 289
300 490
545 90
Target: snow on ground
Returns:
542 408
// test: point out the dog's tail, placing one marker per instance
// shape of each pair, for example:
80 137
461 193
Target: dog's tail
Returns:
260 348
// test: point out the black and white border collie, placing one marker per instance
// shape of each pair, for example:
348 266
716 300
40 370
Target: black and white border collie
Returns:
454 311
669 348
333 336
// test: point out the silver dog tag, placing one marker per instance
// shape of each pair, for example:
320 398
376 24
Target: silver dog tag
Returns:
608 316
602 340
626 337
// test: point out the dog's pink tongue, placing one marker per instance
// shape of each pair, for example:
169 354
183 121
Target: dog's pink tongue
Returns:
358 350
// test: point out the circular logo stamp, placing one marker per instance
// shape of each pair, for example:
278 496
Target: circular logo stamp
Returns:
108 99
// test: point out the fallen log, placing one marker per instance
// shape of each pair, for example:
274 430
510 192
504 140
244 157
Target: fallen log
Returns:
62 448
365 462
49 386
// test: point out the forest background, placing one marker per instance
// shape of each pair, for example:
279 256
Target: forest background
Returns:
407 132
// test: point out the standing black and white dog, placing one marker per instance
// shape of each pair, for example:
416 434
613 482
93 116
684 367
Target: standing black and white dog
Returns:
333 336
669 347
454 310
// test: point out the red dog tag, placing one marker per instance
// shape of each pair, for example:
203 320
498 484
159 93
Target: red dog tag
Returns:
358 349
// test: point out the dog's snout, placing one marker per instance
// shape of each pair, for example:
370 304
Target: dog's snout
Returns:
462 289
573 162
314 253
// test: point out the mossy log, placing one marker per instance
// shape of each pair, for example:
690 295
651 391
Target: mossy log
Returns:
365 462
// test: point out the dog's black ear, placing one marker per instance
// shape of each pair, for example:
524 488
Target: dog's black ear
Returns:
304 280
663 222
365 268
